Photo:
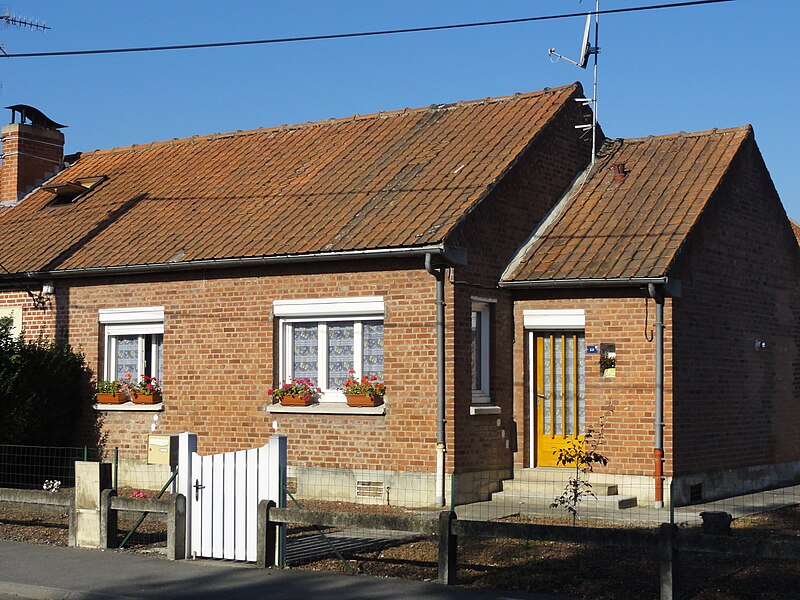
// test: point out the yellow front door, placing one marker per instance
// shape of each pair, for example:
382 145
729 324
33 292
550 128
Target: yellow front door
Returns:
559 384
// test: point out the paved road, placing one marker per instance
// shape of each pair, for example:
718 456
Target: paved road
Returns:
53 573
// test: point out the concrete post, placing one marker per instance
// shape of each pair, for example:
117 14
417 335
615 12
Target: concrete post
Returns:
91 478
267 539
448 549
108 520
668 559
176 528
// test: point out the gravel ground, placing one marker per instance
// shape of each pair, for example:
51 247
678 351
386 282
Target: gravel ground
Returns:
572 569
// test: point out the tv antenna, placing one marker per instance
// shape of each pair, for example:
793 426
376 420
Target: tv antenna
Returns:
587 49
23 22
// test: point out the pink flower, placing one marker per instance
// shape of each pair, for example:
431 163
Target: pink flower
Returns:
286 386
270 391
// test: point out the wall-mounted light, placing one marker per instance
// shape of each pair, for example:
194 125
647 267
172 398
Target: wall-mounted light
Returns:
761 345
48 289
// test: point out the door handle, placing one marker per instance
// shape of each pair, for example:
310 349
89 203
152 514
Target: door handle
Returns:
197 487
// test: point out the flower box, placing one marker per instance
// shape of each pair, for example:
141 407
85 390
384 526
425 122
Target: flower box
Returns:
364 399
290 400
108 398
154 398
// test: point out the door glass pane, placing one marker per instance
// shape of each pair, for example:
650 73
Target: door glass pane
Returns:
372 343
558 386
581 384
546 381
569 382
340 353
304 351
127 357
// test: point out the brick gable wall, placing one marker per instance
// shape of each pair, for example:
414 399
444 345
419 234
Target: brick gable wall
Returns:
735 406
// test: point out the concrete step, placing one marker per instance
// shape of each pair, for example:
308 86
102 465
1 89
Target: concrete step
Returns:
556 487
536 496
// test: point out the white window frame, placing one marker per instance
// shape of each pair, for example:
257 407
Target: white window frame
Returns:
482 310
324 311
140 321
15 312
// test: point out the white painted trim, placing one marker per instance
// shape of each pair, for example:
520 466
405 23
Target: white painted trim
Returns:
326 408
15 313
561 319
532 416
483 300
484 410
129 407
143 314
326 307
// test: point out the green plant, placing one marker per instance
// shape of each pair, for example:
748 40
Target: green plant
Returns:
43 388
369 386
148 385
583 455
108 387
303 388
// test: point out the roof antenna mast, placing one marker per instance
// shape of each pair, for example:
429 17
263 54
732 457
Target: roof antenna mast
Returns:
587 49
12 20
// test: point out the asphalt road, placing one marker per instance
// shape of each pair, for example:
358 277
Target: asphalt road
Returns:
54 573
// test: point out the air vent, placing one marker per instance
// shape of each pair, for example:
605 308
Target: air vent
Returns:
696 492
369 489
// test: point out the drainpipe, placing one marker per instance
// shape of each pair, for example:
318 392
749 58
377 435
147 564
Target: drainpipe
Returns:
441 448
658 425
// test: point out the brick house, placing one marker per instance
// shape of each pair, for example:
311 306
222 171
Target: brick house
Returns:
399 244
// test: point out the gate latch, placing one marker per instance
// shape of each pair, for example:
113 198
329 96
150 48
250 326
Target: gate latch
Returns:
197 487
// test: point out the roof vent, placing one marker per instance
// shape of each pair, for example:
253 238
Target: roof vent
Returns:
619 172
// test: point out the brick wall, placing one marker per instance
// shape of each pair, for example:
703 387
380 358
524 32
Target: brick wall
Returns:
735 406
627 401
493 232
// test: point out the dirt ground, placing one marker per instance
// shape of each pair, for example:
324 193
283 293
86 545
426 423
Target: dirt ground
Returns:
600 573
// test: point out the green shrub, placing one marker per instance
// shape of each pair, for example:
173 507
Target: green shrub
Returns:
43 385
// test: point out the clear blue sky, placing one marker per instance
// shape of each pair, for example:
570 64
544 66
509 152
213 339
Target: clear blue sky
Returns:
661 71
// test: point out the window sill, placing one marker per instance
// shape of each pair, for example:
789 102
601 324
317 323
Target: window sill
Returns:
484 409
129 407
325 408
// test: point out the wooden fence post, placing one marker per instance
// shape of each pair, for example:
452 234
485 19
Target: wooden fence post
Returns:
668 560
448 549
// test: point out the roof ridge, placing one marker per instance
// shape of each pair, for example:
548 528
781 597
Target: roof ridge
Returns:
193 139
668 136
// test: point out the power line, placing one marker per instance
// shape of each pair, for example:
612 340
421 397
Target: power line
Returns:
339 36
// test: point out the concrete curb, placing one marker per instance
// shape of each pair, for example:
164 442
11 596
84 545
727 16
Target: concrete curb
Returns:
37 592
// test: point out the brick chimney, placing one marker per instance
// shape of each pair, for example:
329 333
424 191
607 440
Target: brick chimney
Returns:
32 152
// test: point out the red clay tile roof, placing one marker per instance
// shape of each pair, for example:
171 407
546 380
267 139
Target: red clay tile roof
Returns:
604 229
389 180
795 230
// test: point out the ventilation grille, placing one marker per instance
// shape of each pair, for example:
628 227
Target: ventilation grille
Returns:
696 492
369 489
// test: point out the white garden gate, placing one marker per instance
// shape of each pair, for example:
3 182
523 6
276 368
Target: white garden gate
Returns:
223 492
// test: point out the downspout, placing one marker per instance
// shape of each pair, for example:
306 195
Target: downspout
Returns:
441 448
658 424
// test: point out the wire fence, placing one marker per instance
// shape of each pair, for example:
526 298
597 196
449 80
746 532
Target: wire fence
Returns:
31 467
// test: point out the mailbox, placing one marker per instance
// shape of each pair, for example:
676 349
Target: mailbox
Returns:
162 450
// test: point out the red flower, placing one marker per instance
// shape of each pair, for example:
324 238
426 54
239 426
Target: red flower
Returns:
270 391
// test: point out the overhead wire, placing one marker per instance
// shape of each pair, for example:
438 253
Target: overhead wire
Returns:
338 36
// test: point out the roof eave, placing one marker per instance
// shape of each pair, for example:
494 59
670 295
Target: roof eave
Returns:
450 254
585 283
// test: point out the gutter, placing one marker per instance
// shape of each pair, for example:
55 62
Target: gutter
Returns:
222 263
583 283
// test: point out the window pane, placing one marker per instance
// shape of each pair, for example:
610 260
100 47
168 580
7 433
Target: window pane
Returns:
558 387
126 360
546 382
304 351
340 353
152 355
570 385
477 341
372 343
581 384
